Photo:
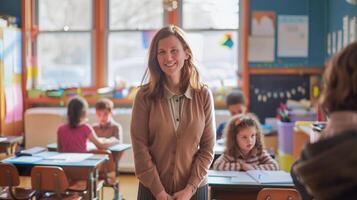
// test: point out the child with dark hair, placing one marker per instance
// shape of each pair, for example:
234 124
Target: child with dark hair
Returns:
236 104
73 136
106 126
244 146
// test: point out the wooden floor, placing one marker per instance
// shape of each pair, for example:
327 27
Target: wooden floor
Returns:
128 187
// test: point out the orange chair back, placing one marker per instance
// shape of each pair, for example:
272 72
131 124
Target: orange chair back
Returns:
9 176
278 194
48 178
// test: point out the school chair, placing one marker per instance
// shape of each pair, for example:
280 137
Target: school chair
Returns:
9 179
109 166
78 177
51 183
278 194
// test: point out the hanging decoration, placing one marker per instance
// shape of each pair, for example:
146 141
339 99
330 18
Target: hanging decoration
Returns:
227 40
170 5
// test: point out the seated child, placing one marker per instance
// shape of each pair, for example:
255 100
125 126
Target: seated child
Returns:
72 136
107 127
236 105
244 147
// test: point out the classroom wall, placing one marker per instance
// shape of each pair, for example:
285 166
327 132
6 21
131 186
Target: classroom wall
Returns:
11 7
316 11
268 90
337 9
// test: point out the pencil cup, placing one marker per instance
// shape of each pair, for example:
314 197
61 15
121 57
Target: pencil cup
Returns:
285 137
285 144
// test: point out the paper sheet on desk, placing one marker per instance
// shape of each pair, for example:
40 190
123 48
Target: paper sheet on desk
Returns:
243 177
91 146
217 173
262 176
71 157
2 139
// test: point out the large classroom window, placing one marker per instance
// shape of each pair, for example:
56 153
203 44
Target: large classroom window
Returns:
212 28
64 43
132 24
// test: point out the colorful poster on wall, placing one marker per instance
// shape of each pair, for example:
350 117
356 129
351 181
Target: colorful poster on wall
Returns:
13 103
9 104
262 40
293 35
339 40
329 44
18 105
334 42
353 29
8 47
146 38
17 52
261 49
263 23
345 23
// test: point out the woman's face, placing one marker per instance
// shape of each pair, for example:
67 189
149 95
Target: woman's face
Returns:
171 56
246 139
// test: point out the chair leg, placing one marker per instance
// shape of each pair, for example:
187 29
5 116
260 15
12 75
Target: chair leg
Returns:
116 195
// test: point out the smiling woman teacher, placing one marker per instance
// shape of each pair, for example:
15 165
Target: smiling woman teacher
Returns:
172 126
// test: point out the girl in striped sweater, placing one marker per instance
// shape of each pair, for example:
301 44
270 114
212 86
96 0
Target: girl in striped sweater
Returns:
244 147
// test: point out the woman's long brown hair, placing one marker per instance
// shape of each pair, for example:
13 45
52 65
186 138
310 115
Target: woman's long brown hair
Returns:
340 86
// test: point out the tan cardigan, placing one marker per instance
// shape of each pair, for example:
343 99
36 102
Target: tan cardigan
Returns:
166 159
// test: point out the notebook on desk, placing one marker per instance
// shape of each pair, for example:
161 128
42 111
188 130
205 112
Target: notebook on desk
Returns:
32 151
263 176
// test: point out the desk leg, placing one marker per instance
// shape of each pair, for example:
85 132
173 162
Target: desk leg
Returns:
117 158
92 182
13 148
116 188
91 186
5 148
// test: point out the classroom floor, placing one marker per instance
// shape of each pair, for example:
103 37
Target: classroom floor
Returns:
128 187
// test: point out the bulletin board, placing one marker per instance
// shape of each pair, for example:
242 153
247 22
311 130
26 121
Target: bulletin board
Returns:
268 91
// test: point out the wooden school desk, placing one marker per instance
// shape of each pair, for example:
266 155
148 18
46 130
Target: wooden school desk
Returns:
8 144
117 151
222 188
89 165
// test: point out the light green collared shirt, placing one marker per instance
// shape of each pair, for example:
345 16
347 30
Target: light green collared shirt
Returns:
176 103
